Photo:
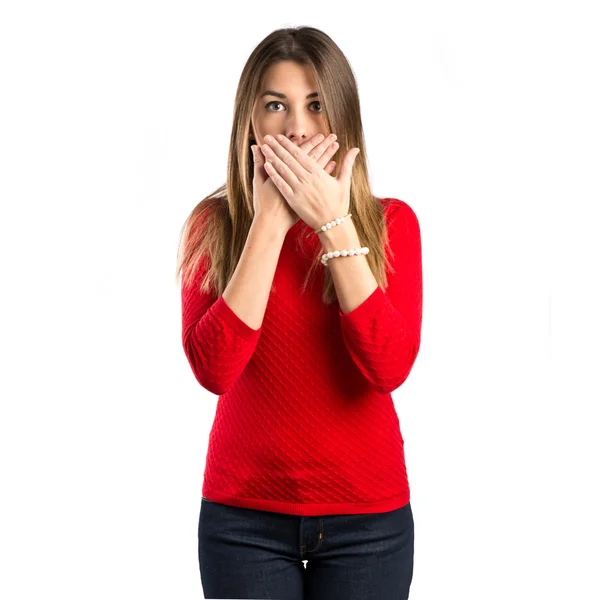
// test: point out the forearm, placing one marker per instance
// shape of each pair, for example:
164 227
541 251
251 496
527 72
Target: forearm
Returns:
247 293
381 329
352 276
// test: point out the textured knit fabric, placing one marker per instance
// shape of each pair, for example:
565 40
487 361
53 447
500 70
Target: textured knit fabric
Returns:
305 423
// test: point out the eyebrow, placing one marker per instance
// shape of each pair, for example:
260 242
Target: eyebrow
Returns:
280 95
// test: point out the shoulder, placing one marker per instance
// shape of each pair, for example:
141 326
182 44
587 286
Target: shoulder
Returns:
398 212
206 215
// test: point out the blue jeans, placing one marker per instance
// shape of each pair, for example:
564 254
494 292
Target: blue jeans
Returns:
248 553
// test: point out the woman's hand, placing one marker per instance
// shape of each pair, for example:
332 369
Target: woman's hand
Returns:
312 193
268 200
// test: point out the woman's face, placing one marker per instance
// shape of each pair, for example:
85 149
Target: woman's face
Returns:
288 104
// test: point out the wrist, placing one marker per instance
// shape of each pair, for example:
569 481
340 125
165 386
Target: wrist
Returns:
340 237
268 227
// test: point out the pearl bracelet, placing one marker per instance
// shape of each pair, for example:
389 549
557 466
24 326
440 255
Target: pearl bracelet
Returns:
336 253
331 224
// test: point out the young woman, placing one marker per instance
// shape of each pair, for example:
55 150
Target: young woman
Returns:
301 310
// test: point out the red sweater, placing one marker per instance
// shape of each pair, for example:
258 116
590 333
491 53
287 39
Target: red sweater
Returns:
305 423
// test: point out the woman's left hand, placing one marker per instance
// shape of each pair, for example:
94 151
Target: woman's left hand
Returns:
314 195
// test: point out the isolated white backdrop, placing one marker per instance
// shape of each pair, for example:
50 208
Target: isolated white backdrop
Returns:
115 122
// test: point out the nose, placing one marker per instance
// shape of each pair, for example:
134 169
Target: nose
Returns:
297 131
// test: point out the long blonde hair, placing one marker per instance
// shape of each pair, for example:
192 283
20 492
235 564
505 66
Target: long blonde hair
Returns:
214 234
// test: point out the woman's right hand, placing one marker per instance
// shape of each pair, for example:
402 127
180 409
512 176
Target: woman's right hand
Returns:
269 202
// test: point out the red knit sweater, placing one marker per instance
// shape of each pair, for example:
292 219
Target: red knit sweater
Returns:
305 423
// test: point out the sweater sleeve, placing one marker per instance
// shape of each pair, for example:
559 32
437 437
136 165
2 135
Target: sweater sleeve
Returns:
383 334
217 343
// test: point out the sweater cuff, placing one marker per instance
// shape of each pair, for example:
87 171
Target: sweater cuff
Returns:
222 311
365 310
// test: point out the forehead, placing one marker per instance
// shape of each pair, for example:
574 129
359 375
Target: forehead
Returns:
287 77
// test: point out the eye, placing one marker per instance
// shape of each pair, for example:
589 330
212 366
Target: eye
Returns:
278 102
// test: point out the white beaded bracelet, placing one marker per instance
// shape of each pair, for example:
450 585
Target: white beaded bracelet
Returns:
336 253
331 224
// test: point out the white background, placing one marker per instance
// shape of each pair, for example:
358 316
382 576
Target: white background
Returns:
115 123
